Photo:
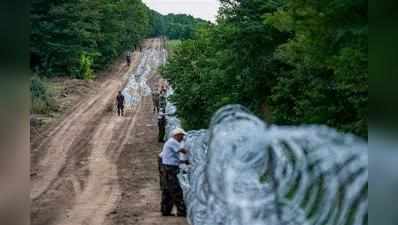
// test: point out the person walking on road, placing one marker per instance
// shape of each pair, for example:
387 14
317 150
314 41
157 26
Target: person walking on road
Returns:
171 190
120 104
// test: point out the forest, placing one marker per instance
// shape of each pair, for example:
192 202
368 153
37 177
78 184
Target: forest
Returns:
176 26
290 61
76 38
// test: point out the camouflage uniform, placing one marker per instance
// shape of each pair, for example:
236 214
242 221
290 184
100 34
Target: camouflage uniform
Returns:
155 99
162 127
163 103
171 191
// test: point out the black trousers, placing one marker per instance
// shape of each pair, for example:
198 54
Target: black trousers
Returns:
162 132
171 191
120 110
161 174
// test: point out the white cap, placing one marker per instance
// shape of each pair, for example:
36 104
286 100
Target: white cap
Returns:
178 131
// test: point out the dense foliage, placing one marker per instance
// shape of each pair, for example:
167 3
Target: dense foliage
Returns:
76 37
290 61
67 36
42 96
176 26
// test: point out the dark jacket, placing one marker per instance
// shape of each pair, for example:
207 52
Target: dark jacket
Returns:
120 100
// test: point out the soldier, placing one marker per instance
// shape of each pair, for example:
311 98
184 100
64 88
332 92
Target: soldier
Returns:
163 101
155 100
120 104
171 189
162 126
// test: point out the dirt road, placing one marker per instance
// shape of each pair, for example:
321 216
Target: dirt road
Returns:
94 168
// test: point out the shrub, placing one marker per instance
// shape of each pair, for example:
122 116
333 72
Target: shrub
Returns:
42 101
86 71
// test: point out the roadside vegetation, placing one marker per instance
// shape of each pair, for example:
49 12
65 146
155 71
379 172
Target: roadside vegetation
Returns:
42 96
176 26
289 61
172 45
70 36
77 39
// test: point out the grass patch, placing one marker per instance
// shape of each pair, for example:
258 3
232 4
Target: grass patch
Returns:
42 96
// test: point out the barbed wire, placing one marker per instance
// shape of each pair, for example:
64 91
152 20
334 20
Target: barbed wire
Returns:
244 171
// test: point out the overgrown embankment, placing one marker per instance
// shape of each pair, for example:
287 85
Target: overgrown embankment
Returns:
42 96
52 98
290 62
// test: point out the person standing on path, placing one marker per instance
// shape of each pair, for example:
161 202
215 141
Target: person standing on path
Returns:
120 104
171 190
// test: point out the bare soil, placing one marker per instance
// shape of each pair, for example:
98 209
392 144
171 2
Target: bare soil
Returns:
92 167
67 93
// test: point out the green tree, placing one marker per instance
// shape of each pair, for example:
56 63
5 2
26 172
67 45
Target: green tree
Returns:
176 26
62 31
328 53
289 61
234 61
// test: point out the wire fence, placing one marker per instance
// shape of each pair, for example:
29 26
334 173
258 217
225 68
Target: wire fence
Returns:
244 171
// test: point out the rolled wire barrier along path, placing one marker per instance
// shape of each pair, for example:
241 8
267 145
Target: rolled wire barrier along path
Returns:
137 86
245 172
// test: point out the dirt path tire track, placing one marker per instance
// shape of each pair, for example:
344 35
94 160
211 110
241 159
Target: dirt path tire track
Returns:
54 127
40 142
66 159
138 172
78 171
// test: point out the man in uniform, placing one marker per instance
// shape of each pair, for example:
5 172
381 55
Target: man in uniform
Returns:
155 100
163 101
120 104
128 58
162 121
171 189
